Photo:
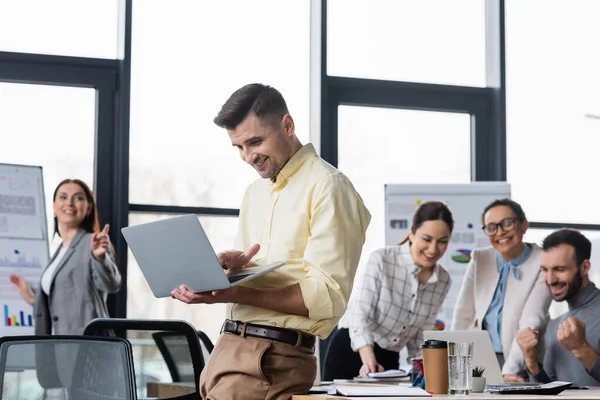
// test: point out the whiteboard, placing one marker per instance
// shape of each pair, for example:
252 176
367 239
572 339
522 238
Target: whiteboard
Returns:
23 242
466 201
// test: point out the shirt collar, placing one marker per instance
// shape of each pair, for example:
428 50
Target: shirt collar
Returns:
584 296
293 165
414 268
515 261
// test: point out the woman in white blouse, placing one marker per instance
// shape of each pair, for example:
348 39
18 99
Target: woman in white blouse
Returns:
395 298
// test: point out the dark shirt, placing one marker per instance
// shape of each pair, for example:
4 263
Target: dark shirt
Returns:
559 363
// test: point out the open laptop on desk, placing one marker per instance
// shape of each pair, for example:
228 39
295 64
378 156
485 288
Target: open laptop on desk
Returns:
483 351
176 251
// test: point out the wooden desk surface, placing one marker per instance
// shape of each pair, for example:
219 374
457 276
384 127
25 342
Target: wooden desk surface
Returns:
593 393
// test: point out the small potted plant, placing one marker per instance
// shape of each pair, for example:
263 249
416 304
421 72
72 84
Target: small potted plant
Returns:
478 379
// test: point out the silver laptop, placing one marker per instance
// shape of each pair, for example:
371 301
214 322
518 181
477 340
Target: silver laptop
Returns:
176 251
483 351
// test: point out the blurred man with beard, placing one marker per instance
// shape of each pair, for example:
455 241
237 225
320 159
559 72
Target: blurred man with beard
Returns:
572 341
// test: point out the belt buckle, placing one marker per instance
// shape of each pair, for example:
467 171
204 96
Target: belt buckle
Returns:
299 340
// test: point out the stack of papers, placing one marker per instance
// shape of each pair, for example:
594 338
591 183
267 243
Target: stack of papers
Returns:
377 391
390 373
389 376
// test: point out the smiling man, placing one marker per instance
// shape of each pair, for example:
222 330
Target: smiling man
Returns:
572 341
305 212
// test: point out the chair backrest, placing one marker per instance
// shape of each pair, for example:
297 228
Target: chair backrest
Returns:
164 350
206 343
83 368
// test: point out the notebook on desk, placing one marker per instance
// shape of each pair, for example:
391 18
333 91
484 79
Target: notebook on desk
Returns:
377 391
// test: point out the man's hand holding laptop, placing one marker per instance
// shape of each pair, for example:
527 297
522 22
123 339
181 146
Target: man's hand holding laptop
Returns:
235 259
230 260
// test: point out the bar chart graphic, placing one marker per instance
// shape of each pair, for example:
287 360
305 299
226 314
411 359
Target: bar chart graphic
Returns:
19 318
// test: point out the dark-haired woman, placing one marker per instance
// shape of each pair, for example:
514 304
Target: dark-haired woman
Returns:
74 286
396 298
504 290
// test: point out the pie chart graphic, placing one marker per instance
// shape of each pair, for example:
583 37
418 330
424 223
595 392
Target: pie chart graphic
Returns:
462 256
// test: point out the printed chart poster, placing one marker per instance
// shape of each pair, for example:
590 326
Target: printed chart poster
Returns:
24 257
21 201
28 259
17 318
23 242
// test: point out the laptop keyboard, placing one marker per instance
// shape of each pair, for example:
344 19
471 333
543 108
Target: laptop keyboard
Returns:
236 278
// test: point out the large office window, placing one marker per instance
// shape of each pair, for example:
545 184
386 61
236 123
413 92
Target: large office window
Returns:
553 108
433 41
400 146
187 58
60 27
50 126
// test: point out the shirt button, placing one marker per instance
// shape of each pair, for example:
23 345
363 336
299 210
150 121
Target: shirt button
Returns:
413 295
403 328
410 312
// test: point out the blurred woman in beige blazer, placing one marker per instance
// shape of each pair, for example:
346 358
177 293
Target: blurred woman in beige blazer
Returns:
503 290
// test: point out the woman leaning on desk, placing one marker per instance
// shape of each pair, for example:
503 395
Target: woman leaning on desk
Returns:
74 286
396 298
503 290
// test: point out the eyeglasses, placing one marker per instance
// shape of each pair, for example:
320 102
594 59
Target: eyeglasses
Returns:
507 224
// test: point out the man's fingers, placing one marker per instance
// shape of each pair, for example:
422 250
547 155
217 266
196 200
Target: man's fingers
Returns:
573 324
246 256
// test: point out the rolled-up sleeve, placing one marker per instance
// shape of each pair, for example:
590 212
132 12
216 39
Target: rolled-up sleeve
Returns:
338 226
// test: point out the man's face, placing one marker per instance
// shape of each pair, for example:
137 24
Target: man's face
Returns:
561 272
265 146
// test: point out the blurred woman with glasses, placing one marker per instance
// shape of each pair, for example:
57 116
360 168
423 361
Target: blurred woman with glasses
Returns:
503 290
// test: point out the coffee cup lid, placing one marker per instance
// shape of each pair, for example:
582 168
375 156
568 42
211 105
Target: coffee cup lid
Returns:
434 344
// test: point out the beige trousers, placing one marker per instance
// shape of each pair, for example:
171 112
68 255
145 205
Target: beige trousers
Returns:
255 368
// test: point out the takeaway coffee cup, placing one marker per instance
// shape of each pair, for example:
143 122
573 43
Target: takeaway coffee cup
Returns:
435 366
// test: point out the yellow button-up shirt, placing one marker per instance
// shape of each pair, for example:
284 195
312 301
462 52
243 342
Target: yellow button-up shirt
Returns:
312 218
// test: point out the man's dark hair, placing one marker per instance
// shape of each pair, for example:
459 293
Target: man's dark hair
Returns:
263 101
513 205
572 237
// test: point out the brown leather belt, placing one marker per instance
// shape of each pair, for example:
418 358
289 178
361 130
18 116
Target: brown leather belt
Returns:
288 336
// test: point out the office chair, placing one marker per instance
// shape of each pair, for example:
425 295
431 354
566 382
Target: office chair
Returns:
164 350
73 367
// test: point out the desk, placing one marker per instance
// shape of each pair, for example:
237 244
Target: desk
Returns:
593 393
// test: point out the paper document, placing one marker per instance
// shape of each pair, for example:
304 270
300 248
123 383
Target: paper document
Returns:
390 373
381 391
